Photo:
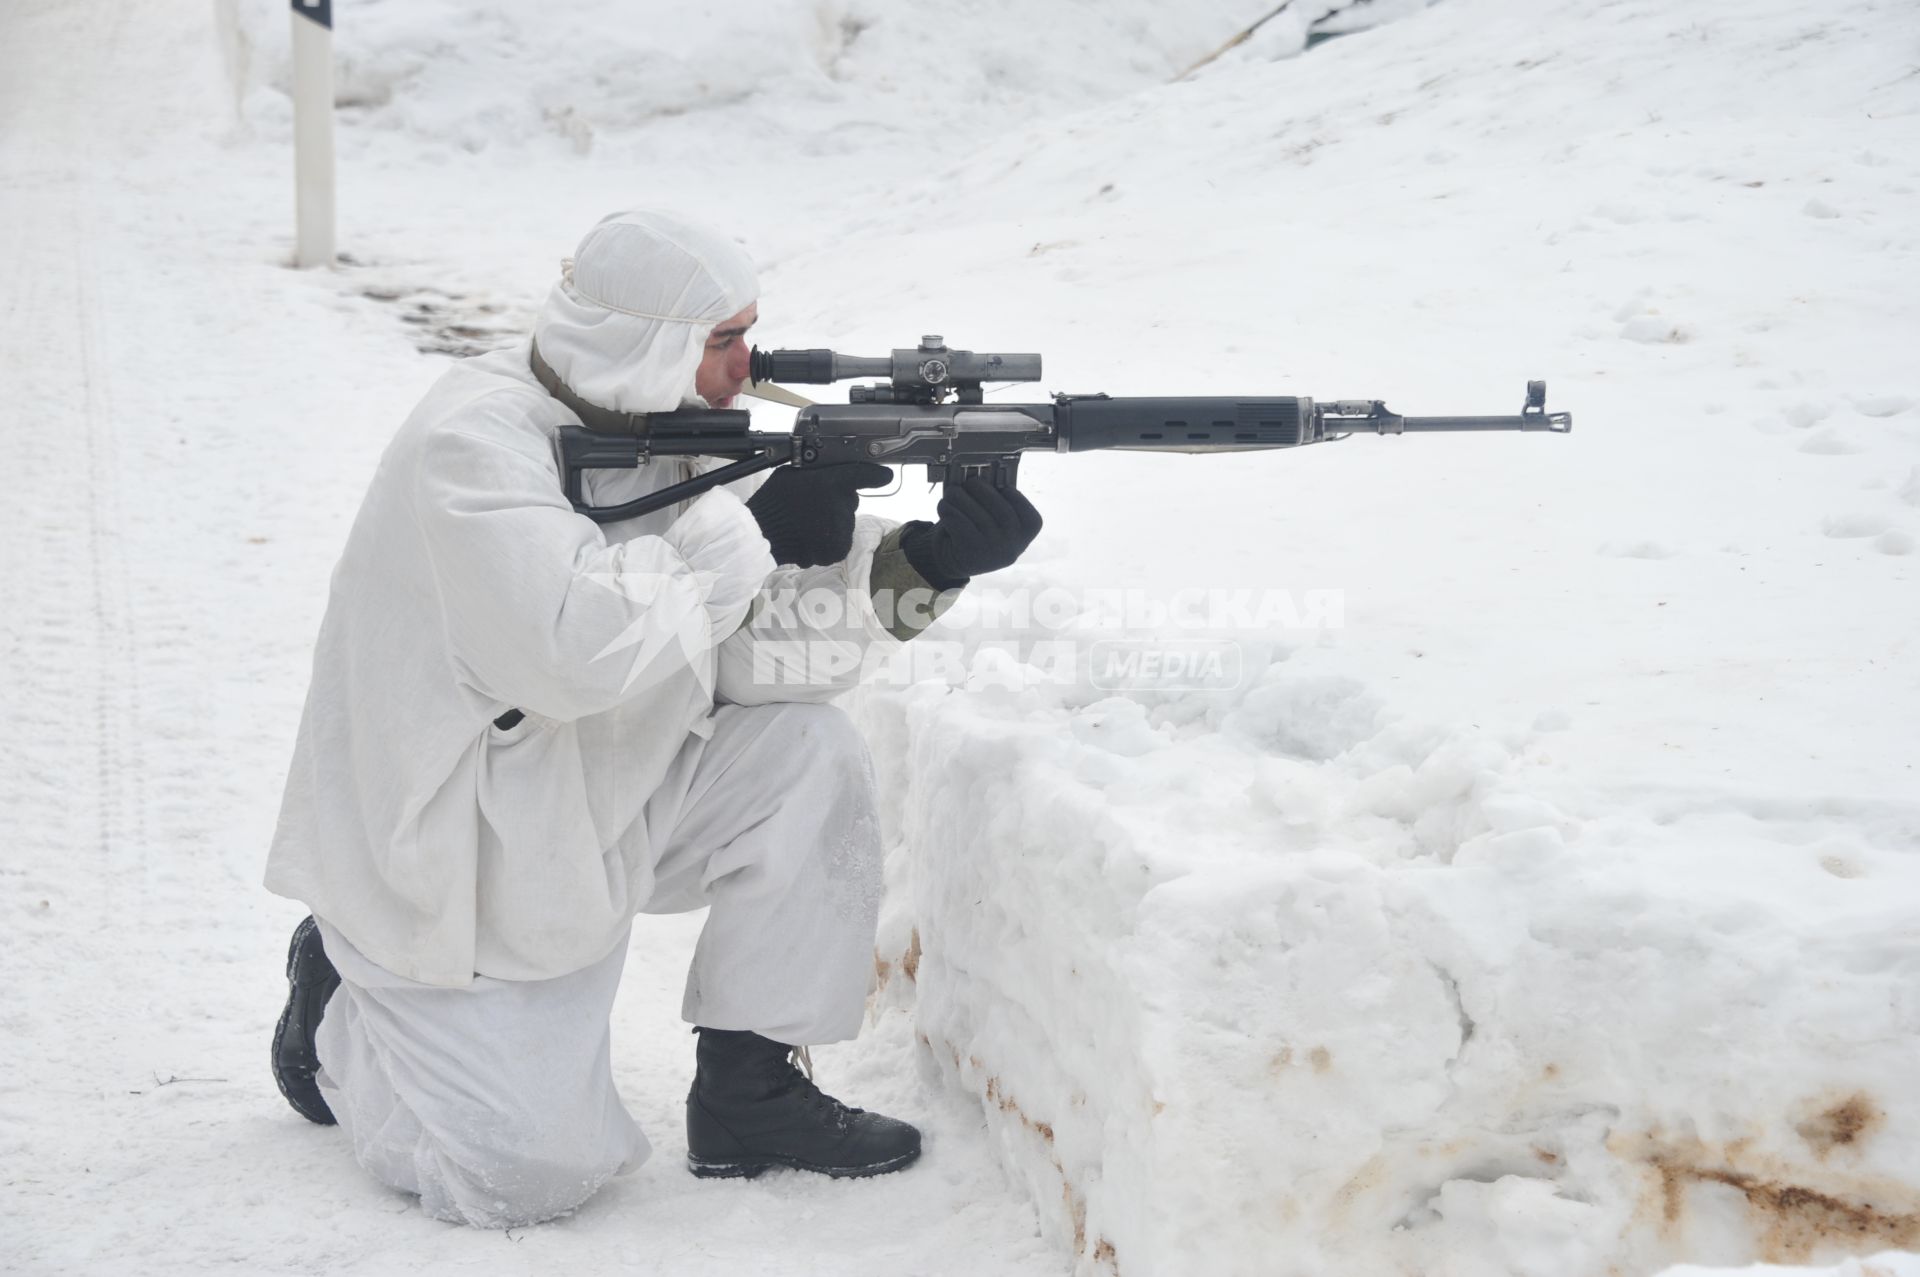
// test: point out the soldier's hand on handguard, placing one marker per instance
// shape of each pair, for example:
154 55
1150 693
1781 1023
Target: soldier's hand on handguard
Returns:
981 529
806 514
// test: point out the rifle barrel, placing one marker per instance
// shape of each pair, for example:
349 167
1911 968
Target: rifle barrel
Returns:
1558 422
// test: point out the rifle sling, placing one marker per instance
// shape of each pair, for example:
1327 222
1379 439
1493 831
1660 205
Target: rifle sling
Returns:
593 417
602 421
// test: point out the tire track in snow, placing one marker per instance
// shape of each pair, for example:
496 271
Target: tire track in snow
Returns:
81 948
77 681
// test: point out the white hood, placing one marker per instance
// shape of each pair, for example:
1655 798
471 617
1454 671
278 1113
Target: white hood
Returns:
627 323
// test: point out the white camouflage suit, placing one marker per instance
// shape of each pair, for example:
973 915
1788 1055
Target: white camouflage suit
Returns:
476 886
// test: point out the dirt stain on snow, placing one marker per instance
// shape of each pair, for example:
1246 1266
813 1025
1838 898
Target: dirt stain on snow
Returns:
444 323
997 1096
1841 1125
1320 1058
971 1070
1792 1208
911 962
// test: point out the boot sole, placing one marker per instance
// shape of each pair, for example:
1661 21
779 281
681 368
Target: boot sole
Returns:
708 1169
301 1093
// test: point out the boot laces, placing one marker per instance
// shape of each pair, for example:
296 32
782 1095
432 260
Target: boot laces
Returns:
801 1061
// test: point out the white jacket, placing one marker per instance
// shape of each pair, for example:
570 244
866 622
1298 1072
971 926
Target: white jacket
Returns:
440 845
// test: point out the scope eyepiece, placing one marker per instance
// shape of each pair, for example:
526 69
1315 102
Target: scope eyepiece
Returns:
791 367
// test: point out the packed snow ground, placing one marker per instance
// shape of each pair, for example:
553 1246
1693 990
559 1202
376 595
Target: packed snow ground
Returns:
1555 914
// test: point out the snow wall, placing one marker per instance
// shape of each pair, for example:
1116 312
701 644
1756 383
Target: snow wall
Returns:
1271 982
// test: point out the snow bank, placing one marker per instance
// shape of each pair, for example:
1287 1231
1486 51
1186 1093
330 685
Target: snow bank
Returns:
482 75
824 76
1273 982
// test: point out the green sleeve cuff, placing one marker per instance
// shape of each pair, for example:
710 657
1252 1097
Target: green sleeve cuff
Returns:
904 600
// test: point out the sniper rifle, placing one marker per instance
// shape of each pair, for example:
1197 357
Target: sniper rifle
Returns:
928 410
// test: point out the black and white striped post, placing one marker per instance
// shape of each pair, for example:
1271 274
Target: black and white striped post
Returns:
313 132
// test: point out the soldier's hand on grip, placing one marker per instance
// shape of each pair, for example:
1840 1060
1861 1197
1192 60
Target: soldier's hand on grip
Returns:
807 514
981 529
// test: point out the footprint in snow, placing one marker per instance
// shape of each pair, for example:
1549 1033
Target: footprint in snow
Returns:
1881 405
1806 414
1652 330
1625 214
1640 320
1841 526
1636 550
1828 443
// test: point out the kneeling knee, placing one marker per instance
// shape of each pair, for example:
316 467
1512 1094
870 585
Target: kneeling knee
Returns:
496 1188
504 1170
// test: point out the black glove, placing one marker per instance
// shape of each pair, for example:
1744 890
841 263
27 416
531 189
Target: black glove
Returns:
982 529
807 514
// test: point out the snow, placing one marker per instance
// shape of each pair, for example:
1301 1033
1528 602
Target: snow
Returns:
1541 900
1887 1264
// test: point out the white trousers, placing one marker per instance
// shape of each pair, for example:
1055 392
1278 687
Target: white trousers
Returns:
495 1103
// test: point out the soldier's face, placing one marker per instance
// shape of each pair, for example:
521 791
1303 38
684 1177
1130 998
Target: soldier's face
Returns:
723 368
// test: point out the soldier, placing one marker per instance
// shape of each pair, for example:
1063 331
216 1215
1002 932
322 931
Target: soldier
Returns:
524 729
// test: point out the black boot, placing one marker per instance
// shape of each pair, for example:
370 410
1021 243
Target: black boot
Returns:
750 1108
313 981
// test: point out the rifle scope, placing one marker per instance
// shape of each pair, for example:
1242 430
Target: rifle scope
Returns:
927 373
